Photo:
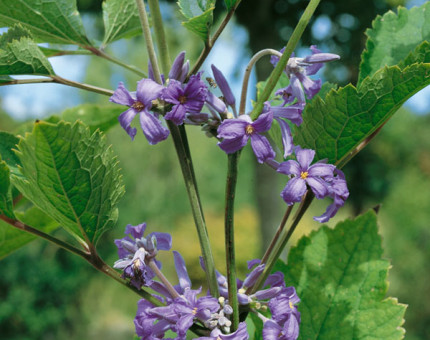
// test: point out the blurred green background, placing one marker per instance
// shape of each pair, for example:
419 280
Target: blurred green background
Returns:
46 293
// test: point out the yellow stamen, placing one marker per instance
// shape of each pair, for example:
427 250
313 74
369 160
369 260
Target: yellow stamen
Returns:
138 106
194 311
249 130
304 175
241 291
291 305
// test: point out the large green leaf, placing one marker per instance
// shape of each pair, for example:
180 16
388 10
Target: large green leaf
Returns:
19 54
49 21
72 176
6 206
393 37
199 14
95 116
121 20
7 143
341 279
12 238
335 127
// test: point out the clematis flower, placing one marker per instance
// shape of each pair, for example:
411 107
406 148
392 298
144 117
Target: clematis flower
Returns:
240 334
298 71
236 132
224 87
188 98
140 103
304 174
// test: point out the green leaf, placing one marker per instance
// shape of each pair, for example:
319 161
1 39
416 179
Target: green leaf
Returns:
72 176
5 79
6 206
199 14
230 4
392 38
12 238
341 279
7 143
49 21
335 127
95 116
121 20
19 54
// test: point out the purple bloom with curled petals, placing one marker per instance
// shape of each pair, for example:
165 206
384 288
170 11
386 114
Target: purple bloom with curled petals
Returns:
188 98
304 174
135 249
240 334
299 70
140 103
338 190
236 132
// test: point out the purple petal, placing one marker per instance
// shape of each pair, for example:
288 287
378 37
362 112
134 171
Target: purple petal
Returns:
152 128
196 92
216 103
329 213
263 122
311 87
125 120
184 323
318 186
172 92
290 167
291 328
252 263
271 330
262 148
294 190
147 91
231 128
321 170
176 70
253 276
268 293
292 113
122 96
185 70
223 86
135 230
177 114
164 240
181 270
233 144
305 157
286 94
287 137
296 89
209 303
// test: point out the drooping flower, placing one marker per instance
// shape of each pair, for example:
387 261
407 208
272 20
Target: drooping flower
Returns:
236 132
140 103
186 98
298 71
304 174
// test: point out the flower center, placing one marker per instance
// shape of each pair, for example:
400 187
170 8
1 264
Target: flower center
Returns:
182 99
291 305
304 175
249 130
138 106
194 311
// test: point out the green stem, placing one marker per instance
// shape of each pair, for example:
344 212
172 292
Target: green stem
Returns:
160 36
211 41
304 205
163 279
99 90
196 206
148 40
291 45
230 193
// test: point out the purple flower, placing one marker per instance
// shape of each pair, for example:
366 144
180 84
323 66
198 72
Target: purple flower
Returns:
304 174
236 132
240 334
338 190
179 69
299 70
141 103
224 87
134 250
185 98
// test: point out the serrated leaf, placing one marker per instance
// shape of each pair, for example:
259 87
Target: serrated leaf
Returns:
95 116
230 3
72 176
8 142
341 279
200 24
49 21
121 20
12 238
19 54
194 8
393 37
6 206
55 52
335 126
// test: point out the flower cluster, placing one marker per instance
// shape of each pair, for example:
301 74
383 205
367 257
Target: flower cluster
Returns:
184 307
182 101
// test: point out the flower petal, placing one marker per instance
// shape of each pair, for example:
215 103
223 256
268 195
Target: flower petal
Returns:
294 190
290 167
262 148
125 120
152 128
177 114
176 69
181 270
305 157
122 96
147 91
230 145
318 186
263 122
287 137
321 170
232 128
223 86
